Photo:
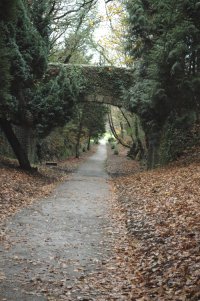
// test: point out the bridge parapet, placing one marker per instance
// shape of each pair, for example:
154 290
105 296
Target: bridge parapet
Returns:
103 84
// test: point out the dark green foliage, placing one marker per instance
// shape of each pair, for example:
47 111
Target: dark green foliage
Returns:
52 102
7 16
90 122
26 61
41 17
178 135
26 97
58 145
165 40
8 10
111 140
95 119
167 44
5 77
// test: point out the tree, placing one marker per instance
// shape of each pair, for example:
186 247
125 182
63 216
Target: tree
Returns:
28 98
111 47
72 25
119 135
8 103
95 121
26 62
164 40
52 103
90 121
7 15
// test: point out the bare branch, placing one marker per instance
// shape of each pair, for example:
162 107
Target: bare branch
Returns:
52 8
56 38
84 4
101 51
109 18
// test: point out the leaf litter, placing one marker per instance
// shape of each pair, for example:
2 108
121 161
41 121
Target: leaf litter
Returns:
19 189
155 239
162 213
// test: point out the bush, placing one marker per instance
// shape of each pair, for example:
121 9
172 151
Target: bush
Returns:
116 152
111 140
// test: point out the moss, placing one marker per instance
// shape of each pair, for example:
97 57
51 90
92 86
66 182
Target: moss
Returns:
100 80
175 137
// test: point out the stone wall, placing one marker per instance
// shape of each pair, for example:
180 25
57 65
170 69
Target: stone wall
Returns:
27 140
103 84
176 137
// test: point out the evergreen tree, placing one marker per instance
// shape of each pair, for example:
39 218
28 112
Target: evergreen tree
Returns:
26 62
164 37
28 97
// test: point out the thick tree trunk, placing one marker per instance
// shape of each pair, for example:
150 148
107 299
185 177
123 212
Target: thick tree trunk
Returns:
15 144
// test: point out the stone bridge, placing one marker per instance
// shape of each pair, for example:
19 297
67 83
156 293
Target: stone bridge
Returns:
103 84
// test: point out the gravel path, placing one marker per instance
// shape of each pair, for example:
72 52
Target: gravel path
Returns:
56 243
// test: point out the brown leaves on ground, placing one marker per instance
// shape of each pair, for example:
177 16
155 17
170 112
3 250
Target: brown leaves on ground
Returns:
162 212
119 165
159 257
19 188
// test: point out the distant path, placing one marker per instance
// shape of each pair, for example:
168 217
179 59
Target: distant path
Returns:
59 239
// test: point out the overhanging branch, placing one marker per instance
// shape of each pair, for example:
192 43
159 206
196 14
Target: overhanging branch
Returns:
112 127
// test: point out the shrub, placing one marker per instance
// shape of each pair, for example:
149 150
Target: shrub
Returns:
111 140
116 152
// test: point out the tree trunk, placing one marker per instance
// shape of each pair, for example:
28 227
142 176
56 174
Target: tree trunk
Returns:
129 125
122 130
198 61
78 140
15 144
114 132
88 144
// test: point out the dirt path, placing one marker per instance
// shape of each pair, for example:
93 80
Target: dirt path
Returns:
59 241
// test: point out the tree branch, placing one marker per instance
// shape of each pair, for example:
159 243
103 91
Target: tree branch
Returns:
110 120
52 8
84 4
127 122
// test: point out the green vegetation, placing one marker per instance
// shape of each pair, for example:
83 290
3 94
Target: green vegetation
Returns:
164 38
29 97
162 46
